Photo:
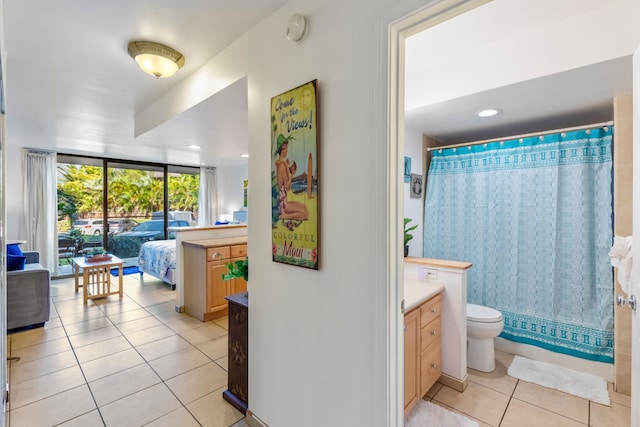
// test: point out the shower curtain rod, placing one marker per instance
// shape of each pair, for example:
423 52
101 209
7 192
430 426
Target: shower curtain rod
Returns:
524 135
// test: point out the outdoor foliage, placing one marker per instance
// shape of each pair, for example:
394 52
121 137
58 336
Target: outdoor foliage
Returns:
131 192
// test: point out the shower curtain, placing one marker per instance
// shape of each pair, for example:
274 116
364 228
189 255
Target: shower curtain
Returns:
534 216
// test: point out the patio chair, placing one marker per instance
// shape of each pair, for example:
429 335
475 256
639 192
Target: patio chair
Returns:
67 248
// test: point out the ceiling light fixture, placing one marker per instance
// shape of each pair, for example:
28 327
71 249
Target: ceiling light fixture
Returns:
155 58
193 146
489 112
244 155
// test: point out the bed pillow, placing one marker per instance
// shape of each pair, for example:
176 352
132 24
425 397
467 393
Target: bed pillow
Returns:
14 249
15 262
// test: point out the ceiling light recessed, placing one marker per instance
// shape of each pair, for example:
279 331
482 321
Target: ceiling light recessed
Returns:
489 112
193 146
244 155
155 58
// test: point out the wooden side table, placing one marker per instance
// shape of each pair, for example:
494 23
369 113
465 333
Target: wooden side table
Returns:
96 277
237 393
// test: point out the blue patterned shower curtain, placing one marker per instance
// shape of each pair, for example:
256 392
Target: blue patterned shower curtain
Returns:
534 216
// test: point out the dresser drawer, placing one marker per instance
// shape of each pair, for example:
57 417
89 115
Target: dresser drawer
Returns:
430 310
238 251
221 253
430 367
430 333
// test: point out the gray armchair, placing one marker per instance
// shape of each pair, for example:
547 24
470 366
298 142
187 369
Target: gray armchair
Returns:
28 294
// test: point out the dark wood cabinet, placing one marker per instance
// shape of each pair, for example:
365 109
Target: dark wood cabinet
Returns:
237 393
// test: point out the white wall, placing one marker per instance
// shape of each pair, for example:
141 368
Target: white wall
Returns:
413 207
230 187
312 334
315 332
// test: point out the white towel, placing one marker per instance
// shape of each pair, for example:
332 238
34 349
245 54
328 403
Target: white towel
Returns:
621 255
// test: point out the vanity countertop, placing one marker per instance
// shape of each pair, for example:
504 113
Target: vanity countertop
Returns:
416 292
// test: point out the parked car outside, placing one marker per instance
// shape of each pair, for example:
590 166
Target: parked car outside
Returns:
152 230
89 226
173 215
120 225
127 244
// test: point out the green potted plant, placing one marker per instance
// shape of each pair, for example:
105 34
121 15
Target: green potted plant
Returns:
407 235
237 269
97 254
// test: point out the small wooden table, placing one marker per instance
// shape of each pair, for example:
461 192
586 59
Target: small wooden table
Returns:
96 277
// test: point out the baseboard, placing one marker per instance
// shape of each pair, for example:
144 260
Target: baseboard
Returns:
454 383
253 421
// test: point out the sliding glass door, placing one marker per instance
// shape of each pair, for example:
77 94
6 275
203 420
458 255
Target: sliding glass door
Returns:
134 192
119 205
81 219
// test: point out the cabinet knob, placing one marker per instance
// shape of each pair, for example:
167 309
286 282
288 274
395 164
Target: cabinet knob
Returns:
434 365
434 310
434 333
215 255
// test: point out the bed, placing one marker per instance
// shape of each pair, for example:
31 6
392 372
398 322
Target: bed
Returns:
158 259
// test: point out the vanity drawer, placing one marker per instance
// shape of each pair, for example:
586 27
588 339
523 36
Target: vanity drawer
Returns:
238 251
430 333
430 310
430 366
221 253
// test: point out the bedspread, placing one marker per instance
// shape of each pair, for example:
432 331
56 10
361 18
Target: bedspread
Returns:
158 256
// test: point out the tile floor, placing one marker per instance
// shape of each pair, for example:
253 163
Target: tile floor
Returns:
135 362
495 399
128 362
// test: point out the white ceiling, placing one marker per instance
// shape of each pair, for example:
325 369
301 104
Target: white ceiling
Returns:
71 86
507 54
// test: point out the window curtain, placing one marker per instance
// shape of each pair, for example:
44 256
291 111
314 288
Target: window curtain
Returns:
208 197
40 205
534 216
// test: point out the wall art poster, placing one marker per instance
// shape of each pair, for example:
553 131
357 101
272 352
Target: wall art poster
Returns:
245 187
294 176
416 186
407 169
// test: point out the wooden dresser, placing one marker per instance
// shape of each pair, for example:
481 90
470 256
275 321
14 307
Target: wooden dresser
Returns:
205 261
422 350
237 392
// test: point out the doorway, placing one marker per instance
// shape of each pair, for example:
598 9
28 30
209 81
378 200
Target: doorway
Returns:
410 24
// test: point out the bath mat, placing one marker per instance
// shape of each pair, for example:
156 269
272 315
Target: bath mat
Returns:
427 414
579 384
126 270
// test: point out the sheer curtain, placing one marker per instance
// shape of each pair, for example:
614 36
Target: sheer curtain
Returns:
534 216
40 205
208 197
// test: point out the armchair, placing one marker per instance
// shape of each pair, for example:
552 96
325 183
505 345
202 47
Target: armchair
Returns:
28 294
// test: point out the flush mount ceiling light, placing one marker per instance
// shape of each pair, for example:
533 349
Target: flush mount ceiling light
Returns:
155 58
489 112
193 146
244 155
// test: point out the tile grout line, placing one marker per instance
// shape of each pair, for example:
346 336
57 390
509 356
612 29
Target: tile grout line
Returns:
80 367
110 322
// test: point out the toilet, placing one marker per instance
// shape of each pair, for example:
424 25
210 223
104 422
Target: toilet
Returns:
483 325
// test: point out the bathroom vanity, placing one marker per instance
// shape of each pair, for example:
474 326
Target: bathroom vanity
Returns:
422 343
451 278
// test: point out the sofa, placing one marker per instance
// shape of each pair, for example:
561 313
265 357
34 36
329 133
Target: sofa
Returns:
28 294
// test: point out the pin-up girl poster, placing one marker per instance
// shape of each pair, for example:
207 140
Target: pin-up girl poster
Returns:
294 176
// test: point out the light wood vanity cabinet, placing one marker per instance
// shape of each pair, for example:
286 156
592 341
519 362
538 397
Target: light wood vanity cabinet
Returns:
205 261
422 350
411 359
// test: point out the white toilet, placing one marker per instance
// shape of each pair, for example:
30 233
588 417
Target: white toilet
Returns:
483 325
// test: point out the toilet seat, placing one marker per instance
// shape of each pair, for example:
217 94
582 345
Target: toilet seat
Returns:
482 314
